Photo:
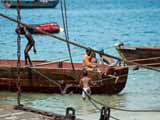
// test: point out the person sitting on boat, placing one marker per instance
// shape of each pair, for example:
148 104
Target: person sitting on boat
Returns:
107 60
94 61
109 70
87 60
93 58
84 84
30 44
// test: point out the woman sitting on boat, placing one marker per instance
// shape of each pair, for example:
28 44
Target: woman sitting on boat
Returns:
93 58
87 60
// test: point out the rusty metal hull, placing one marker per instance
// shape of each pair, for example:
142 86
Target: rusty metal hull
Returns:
149 56
43 75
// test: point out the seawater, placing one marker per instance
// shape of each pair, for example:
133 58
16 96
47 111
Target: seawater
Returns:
97 24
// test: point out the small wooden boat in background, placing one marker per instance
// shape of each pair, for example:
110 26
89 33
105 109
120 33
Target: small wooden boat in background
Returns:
51 76
149 56
47 27
31 4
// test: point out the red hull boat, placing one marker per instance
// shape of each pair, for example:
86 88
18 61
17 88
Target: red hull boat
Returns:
47 27
53 77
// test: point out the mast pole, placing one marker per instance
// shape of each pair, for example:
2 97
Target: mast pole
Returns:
18 55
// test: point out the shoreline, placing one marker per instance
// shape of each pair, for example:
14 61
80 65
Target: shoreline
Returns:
10 112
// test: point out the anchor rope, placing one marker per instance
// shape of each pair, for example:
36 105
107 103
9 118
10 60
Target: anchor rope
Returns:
41 74
119 109
114 118
98 108
47 78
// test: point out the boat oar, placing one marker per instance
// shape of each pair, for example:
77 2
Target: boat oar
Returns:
50 62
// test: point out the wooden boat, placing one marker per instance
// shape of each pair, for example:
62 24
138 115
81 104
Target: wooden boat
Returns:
149 56
53 77
47 27
31 4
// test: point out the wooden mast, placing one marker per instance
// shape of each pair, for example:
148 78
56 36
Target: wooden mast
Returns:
18 55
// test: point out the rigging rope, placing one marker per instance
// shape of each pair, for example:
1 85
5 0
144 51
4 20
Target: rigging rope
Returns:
114 118
18 54
120 109
65 25
47 78
39 73
89 97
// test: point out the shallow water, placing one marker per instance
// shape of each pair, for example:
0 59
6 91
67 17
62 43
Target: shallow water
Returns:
98 24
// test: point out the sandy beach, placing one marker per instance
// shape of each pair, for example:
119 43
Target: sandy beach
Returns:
7 112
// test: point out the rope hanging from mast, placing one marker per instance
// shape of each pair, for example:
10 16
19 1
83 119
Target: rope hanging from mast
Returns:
65 25
18 54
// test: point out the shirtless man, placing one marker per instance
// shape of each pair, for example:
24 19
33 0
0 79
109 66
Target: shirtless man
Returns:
30 44
84 83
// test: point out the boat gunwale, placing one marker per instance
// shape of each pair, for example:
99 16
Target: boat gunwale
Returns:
124 47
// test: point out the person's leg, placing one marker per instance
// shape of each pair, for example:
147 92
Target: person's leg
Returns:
88 92
26 54
83 94
27 57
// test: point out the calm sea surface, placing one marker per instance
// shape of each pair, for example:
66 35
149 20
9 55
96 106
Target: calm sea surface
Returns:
97 24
